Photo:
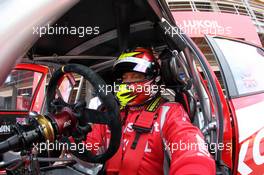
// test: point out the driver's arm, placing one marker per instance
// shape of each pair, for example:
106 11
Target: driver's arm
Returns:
97 138
188 154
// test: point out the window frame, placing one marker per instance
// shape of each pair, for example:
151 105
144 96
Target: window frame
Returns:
34 93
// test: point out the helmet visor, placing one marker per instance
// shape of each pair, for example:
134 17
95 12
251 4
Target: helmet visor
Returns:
132 64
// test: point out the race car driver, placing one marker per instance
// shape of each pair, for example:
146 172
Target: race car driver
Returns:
157 136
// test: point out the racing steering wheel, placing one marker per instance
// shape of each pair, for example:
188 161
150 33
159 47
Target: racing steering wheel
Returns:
110 117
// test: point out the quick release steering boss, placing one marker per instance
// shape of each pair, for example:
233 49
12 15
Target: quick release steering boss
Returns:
63 119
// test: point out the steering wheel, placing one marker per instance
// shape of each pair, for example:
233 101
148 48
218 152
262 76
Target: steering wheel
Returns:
110 117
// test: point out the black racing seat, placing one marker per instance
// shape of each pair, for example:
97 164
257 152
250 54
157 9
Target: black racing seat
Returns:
175 78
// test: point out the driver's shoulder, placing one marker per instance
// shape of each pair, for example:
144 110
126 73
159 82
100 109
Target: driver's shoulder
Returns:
172 106
172 111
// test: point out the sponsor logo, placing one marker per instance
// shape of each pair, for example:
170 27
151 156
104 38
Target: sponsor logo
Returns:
5 129
250 150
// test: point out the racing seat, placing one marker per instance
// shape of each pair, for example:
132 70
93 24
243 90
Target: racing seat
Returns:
176 78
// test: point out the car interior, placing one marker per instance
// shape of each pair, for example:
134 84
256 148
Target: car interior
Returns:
124 26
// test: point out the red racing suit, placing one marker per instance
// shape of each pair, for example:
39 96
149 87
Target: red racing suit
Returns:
171 134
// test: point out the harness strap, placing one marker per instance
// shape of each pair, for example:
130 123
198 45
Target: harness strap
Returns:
130 162
143 126
144 121
154 104
135 150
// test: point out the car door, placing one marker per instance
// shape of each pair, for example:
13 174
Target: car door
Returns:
242 69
